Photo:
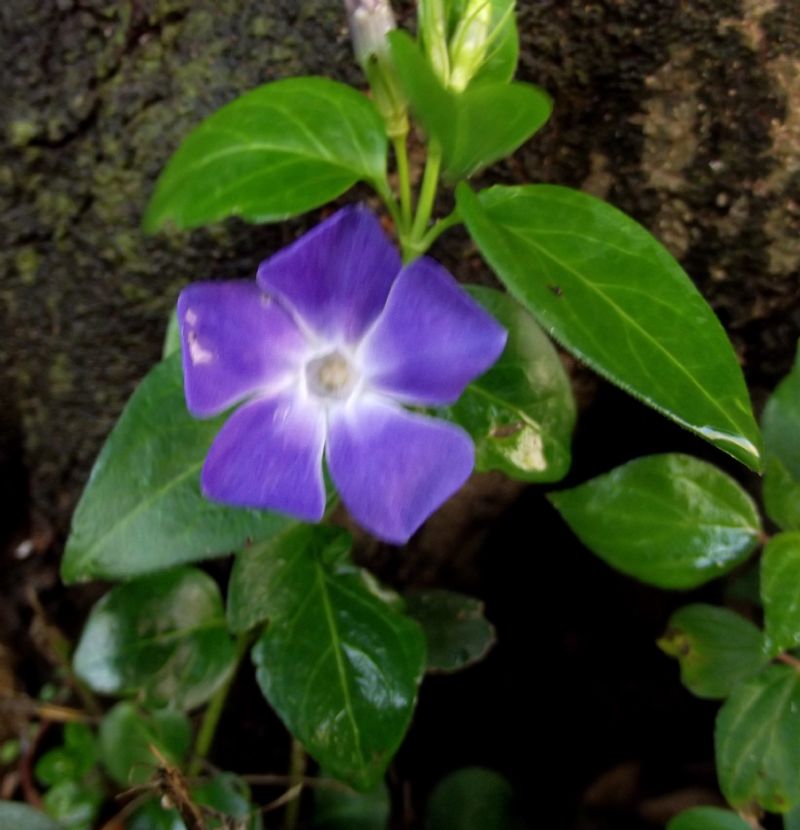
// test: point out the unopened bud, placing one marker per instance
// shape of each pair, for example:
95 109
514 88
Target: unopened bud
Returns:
370 22
433 33
469 44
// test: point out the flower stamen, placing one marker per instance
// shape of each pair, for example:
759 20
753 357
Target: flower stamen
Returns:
331 376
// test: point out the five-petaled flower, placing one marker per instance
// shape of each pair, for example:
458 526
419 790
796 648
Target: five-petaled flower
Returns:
323 352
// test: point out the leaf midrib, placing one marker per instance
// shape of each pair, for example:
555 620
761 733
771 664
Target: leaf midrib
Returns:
632 322
94 551
340 667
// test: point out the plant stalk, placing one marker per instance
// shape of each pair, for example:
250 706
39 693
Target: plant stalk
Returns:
403 180
297 771
427 194
213 713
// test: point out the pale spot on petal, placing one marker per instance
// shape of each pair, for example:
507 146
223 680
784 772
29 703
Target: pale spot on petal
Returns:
198 355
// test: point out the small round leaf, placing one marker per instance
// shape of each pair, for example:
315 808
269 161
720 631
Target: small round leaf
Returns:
162 638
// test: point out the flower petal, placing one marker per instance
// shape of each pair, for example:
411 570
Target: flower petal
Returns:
235 340
337 276
269 456
394 468
431 340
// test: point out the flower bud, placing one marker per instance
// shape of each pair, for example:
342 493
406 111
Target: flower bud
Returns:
370 22
470 42
434 35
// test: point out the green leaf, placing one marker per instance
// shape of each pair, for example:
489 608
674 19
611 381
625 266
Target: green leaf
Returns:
162 638
16 816
791 820
72 761
74 804
457 633
343 810
251 593
172 336
126 735
153 816
758 753
708 818
520 413
780 423
716 648
475 128
142 509
472 799
277 151
225 794
780 593
612 294
669 520
339 664
781 494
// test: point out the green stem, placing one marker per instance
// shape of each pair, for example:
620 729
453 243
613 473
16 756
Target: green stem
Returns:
427 194
210 722
437 230
297 771
403 179
385 192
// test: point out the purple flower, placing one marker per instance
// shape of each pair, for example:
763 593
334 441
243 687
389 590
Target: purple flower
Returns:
323 352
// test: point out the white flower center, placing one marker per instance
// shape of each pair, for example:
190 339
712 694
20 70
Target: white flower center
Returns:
331 376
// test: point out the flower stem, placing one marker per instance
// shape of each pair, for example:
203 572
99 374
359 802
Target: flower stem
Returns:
210 722
385 192
297 770
404 179
427 194
445 223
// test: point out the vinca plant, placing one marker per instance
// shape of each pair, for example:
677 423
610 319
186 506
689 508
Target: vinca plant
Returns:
350 382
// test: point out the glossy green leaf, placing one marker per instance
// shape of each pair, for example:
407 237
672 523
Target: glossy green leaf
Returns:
142 509
612 294
251 595
757 746
339 664
715 647
669 520
162 638
475 128
16 816
521 412
780 423
127 733
343 810
74 804
708 818
780 593
472 799
275 152
457 632
781 494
